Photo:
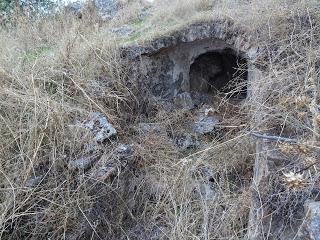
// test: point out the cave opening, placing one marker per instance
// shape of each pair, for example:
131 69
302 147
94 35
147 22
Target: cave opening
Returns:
217 72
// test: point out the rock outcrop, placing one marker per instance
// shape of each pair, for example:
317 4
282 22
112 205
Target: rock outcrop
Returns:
163 65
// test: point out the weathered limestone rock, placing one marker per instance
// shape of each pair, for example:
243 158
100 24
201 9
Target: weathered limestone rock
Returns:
33 181
81 164
206 191
185 141
205 124
100 126
74 7
124 151
163 65
106 8
123 31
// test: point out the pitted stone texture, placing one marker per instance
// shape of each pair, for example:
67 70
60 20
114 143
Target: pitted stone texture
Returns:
34 181
164 86
205 124
185 142
223 30
123 31
124 150
163 65
107 9
100 126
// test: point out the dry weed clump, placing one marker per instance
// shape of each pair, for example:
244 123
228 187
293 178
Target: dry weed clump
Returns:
46 68
182 190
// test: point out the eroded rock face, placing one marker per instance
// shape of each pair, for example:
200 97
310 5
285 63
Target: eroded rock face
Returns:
163 65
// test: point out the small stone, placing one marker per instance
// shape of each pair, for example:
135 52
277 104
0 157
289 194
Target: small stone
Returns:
80 164
91 148
100 126
185 142
124 150
206 191
184 100
123 31
205 124
33 182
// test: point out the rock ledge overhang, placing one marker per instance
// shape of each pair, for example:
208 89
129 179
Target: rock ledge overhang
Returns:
236 36
162 64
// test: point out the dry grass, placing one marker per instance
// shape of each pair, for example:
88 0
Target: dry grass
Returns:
54 71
